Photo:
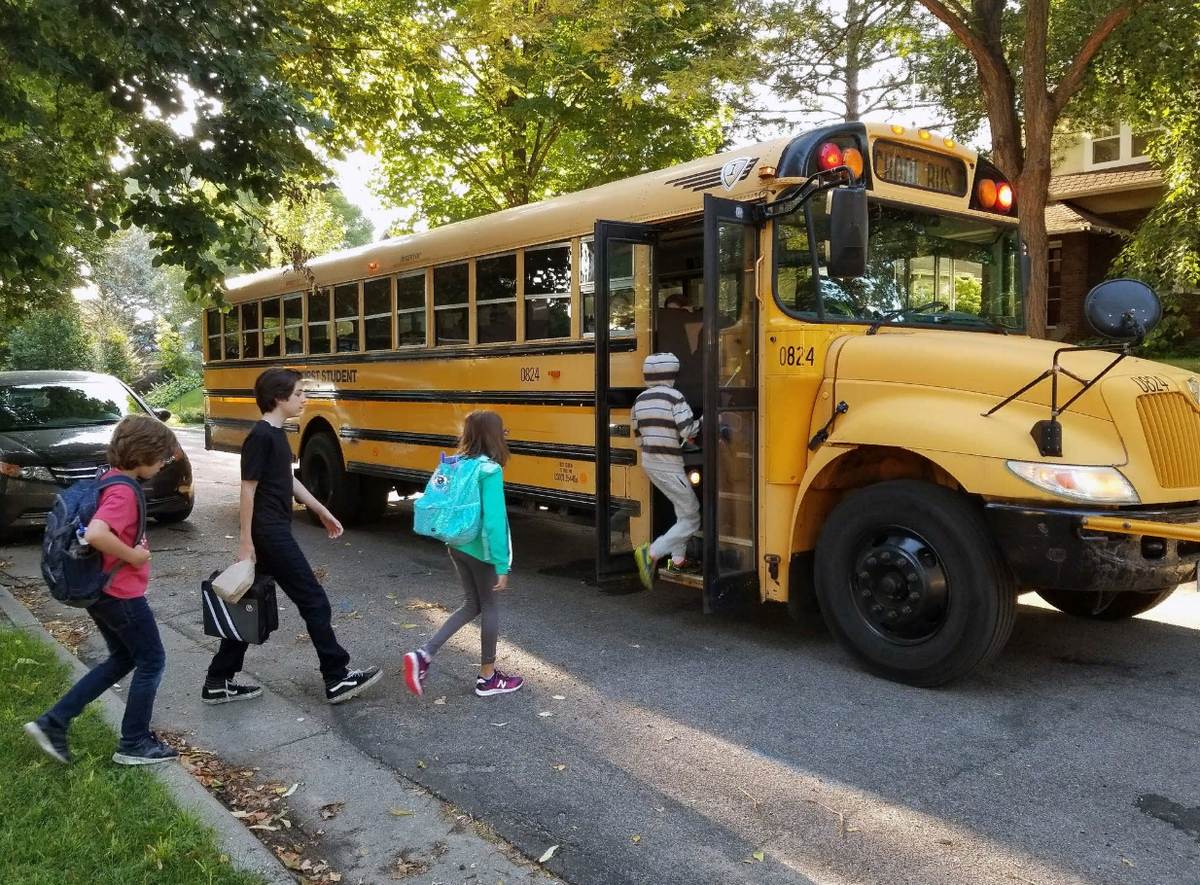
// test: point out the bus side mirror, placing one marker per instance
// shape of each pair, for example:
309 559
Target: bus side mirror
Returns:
1127 310
848 232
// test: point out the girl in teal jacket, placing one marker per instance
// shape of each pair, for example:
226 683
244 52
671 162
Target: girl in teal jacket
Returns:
482 563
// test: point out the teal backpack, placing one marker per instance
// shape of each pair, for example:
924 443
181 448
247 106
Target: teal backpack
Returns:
451 509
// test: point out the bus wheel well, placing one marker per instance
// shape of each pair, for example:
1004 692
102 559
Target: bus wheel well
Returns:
315 426
857 469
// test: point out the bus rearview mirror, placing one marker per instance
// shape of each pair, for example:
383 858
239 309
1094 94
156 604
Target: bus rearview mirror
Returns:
848 232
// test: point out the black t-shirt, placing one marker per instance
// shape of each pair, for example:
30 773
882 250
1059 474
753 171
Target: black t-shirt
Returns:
267 460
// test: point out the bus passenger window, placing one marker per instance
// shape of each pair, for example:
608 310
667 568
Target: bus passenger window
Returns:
451 295
496 298
250 330
793 264
232 336
587 285
345 307
377 313
548 292
410 309
270 327
212 328
293 324
319 339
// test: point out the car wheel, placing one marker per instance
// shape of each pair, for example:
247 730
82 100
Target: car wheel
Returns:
177 515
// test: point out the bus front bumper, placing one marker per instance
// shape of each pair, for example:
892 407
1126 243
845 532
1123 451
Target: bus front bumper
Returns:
1098 550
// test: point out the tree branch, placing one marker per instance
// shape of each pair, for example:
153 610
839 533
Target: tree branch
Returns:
1073 79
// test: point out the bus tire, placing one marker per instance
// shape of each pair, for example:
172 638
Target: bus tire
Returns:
1123 605
912 583
324 474
373 498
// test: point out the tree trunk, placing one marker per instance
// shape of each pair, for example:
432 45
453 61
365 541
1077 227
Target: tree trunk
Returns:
854 14
1031 190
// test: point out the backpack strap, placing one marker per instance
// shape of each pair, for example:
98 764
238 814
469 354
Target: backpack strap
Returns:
140 497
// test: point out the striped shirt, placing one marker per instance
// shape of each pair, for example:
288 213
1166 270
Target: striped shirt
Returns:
662 420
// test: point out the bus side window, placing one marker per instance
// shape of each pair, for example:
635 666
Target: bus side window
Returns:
410 309
548 292
232 336
451 296
377 313
587 285
496 299
271 327
293 324
793 265
250 330
319 339
212 327
346 317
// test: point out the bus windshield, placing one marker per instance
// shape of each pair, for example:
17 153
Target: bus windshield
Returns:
922 268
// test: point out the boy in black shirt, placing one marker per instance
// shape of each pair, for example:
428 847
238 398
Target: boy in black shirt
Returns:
266 536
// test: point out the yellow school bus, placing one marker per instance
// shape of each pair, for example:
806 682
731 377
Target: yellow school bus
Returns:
882 446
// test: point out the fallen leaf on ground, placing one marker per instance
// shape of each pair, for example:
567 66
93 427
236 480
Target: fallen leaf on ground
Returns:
669 737
559 767
420 764
545 713
758 855
332 810
558 697
549 854
440 700
289 791
637 838
408 626
499 724
400 812
390 596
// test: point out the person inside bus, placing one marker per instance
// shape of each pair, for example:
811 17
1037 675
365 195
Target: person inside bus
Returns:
680 327
662 421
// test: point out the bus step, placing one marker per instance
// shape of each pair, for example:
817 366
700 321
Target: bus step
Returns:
685 579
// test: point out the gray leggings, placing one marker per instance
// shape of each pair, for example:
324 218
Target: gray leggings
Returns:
478 578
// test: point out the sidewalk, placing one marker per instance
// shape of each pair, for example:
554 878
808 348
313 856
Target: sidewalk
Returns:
359 819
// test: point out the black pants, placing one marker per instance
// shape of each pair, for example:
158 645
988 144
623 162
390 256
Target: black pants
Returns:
277 554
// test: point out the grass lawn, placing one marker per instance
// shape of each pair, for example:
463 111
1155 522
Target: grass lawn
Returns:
190 406
93 821
1191 363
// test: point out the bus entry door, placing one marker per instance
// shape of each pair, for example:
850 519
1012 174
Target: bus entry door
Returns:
623 283
729 486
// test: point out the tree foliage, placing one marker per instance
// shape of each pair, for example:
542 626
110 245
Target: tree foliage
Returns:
476 105
51 339
154 113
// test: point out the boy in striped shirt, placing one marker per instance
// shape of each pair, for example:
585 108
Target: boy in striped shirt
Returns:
662 421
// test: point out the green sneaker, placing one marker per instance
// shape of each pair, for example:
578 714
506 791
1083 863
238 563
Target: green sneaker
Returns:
645 564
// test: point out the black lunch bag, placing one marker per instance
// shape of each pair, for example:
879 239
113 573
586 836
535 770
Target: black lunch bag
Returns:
251 619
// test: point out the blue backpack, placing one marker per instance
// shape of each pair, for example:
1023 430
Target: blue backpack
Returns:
74 571
451 509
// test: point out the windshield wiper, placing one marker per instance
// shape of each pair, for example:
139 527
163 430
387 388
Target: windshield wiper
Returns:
892 314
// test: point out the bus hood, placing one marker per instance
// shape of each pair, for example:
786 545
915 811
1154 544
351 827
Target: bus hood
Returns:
993 366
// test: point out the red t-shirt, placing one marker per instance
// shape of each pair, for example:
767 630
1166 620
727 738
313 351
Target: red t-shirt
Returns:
119 509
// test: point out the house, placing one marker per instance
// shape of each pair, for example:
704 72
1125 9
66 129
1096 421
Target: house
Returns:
1101 188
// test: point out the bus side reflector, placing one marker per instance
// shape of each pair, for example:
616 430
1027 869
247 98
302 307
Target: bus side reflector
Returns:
852 158
987 193
1004 197
829 156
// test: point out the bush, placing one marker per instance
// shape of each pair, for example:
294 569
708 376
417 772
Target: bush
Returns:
51 340
163 395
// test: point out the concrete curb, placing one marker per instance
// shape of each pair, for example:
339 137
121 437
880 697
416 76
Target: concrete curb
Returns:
245 852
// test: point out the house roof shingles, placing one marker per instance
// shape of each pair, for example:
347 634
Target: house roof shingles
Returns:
1079 184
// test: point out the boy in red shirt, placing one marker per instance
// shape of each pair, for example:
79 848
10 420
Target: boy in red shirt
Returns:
140 446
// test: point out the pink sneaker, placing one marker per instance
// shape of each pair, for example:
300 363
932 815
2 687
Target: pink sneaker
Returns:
416 665
497 684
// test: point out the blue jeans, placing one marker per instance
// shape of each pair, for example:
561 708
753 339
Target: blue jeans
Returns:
131 633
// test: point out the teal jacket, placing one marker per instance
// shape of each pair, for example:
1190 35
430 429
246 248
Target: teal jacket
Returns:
493 544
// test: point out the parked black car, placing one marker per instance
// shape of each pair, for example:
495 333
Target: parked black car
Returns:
54 430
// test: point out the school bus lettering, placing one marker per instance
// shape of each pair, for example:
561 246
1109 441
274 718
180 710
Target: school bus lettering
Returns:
1151 383
790 355
531 373
566 473
335 376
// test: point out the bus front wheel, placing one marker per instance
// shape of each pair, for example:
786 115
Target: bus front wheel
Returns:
912 583
1105 606
324 474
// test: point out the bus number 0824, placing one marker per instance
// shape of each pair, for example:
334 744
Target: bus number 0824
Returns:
796 356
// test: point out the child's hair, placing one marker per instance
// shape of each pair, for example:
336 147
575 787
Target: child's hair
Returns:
273 387
483 434
140 440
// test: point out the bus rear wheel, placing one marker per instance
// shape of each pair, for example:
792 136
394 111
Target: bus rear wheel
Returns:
912 583
1105 606
324 474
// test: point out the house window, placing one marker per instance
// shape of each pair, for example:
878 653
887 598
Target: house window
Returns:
1106 145
1115 145
548 292
410 309
451 297
1054 288
496 298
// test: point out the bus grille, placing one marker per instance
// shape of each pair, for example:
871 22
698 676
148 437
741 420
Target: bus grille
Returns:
1172 429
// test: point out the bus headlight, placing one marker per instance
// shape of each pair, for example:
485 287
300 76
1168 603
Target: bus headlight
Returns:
1098 485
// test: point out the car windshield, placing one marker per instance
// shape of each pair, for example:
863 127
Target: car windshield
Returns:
922 267
46 404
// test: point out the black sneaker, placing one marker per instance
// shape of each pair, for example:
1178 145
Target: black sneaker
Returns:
222 691
50 738
149 751
351 684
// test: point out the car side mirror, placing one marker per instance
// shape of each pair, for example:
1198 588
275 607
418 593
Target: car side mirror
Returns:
162 414
848 232
1127 310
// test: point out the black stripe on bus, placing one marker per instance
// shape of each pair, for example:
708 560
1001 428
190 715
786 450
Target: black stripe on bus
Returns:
625 457
536 493
243 424
617 345
618 396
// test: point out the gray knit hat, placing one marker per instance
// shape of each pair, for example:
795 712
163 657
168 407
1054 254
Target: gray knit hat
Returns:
660 367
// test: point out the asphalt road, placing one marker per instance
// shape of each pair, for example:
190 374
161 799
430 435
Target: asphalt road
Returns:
683 749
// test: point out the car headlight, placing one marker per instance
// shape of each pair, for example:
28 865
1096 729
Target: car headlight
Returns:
1098 485
35 473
